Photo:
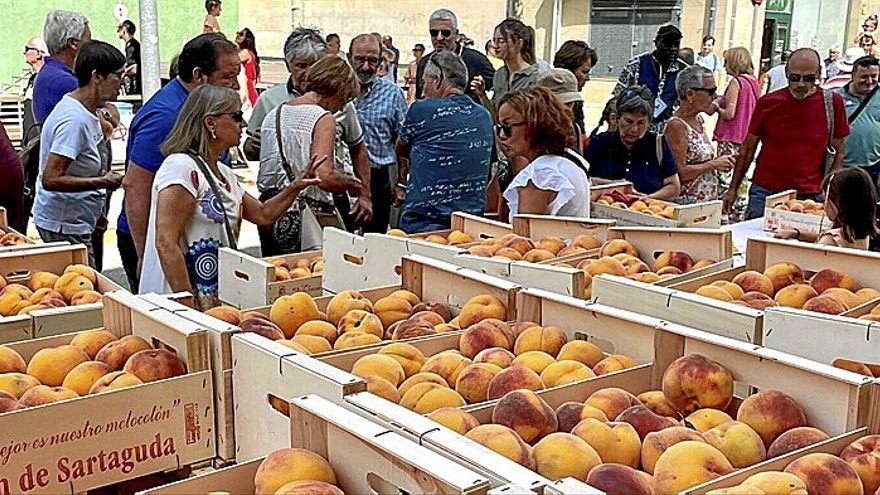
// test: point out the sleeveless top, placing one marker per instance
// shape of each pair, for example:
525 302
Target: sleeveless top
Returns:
735 129
704 187
297 127
250 72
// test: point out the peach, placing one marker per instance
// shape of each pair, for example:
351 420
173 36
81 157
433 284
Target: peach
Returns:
669 271
503 441
679 259
586 241
446 327
772 482
293 345
508 254
612 401
44 294
854 366
617 479
826 474
457 237
536 361
563 455
615 246
770 413
291 311
481 251
614 363
396 233
424 398
410 296
42 394
581 351
606 265
687 464
552 244
455 419
72 283
41 280
9 403
794 439
703 264
16 384
784 274
83 271
278 262
11 361
495 355
863 456
845 296
262 326
377 385
693 381
288 465
473 381
358 320
479 308
521 245
309 487
447 364
379 365
828 278
92 341
490 333
429 316
349 340
527 414
513 378
563 372
657 403
867 294
734 290
538 255
17 289
615 442
392 309
634 266
318 328
714 292
225 313
155 364
311 343
753 281
444 311
282 274
656 443
547 339
644 420
436 239
11 303
81 378
407 329
346 301
408 356
740 444
569 414
825 304
421 377
703 420
646 277
570 251
51 365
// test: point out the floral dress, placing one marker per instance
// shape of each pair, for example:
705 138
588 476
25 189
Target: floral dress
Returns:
205 233
700 150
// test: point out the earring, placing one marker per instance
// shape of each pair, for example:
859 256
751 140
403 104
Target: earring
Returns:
213 134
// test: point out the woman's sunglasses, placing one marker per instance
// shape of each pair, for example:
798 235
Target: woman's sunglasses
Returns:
237 116
507 129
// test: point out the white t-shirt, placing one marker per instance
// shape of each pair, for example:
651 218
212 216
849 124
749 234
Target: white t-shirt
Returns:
776 79
554 173
205 233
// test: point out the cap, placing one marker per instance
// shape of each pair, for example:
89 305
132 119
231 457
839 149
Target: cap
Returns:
562 83
845 64
668 31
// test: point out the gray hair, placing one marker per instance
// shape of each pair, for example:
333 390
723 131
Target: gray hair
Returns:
444 15
690 78
190 132
62 26
638 100
305 44
451 69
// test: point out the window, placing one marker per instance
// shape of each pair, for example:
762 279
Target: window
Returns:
622 29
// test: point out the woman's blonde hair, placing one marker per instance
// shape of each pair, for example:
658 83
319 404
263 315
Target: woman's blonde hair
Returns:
738 61
333 75
190 132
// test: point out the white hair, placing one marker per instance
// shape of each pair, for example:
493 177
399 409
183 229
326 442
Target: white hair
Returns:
62 26
444 15
304 44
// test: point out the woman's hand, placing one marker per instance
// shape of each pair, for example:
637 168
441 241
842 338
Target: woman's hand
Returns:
787 234
724 163
309 175
478 86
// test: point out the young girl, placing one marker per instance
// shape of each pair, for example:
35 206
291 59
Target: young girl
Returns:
850 204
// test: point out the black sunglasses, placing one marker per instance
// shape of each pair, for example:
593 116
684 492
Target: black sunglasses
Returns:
29 48
237 116
507 128
445 32
711 91
807 78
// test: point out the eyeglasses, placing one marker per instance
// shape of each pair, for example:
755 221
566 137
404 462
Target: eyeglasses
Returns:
445 32
359 60
29 48
711 91
506 129
807 78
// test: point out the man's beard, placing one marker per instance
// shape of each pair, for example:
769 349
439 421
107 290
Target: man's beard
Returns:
366 79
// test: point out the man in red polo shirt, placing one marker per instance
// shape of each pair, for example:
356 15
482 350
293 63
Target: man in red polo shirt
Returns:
793 131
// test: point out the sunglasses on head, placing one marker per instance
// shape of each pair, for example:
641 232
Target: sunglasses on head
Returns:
807 78
445 32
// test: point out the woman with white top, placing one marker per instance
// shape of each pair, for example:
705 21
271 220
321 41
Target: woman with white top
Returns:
197 204
533 124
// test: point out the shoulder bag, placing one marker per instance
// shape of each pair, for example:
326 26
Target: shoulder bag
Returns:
203 168
852 118
287 230
830 152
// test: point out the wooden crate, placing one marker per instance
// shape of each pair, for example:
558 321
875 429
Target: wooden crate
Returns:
343 261
4 225
366 457
18 265
783 219
703 215
246 281
56 448
538 226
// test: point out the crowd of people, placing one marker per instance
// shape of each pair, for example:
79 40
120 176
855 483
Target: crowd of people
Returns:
349 137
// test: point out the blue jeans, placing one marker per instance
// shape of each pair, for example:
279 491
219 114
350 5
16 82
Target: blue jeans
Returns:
758 199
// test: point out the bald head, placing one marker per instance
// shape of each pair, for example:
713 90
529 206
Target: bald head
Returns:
365 55
803 69
807 56
366 40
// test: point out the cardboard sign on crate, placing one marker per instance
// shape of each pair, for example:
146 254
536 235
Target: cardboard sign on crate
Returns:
247 282
775 217
703 215
77 445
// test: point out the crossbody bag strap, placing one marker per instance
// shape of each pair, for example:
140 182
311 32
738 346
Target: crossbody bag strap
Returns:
852 118
203 167
829 113
284 163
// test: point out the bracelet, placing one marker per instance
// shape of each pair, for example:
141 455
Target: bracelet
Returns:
400 185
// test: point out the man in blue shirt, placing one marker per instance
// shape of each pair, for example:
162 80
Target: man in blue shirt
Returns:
447 141
65 33
862 146
381 110
206 59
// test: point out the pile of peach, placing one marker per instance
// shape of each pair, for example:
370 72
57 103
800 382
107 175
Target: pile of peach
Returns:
44 290
352 320
807 206
607 438
492 359
95 361
11 238
303 268
518 248
296 472
646 206
454 238
783 284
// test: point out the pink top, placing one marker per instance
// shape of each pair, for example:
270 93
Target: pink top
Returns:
735 129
